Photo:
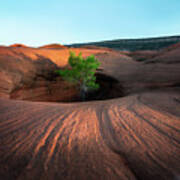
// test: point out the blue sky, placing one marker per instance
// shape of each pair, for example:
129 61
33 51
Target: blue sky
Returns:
39 22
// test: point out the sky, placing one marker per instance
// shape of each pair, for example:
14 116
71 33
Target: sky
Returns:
40 22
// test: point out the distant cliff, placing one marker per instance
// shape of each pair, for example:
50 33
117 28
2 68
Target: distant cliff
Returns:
135 44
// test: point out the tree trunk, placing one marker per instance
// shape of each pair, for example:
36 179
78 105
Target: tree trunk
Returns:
83 95
83 91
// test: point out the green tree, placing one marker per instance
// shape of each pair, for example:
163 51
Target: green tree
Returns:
81 72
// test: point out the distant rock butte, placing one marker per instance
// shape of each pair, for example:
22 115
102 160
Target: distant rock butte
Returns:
18 45
53 46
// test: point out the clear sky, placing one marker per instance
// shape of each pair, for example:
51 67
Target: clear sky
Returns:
39 22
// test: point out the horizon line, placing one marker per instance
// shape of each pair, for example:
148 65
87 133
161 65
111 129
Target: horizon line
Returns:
100 41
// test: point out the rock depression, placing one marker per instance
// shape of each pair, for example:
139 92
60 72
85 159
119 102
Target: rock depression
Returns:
136 136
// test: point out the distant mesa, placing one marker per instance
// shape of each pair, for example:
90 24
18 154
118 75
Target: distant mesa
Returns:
134 44
53 46
18 45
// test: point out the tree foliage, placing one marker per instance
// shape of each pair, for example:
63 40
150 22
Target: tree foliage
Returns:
81 72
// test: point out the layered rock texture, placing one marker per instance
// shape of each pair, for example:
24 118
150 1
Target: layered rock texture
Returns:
133 132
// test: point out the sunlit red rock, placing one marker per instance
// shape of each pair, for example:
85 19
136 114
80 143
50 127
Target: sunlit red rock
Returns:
53 46
132 137
18 45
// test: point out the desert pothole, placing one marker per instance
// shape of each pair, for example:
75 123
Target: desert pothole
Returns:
57 90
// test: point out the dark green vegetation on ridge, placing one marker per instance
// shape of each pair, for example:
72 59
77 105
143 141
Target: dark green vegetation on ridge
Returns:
134 44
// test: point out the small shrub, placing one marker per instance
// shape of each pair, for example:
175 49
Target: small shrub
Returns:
81 72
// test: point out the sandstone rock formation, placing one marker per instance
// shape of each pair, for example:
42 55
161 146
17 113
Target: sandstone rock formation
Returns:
18 45
53 46
132 137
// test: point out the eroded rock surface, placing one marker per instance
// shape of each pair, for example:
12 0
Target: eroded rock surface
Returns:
133 137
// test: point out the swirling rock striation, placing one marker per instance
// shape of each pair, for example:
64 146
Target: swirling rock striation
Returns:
132 137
